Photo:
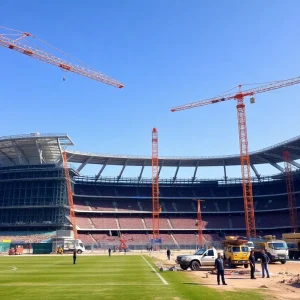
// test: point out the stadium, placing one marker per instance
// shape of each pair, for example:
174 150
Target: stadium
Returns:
34 203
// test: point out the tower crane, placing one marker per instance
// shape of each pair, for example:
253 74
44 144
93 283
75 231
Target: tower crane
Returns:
12 41
243 138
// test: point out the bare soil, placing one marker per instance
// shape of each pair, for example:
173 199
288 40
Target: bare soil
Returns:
283 284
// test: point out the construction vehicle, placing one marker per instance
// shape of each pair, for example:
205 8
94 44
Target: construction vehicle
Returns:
203 257
276 250
67 245
236 252
293 242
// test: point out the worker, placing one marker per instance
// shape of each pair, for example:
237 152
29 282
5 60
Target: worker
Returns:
74 256
264 260
168 254
109 252
219 265
252 263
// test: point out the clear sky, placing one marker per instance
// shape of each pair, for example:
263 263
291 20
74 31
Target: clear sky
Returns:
167 53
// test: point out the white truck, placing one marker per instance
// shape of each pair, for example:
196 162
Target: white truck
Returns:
203 257
68 245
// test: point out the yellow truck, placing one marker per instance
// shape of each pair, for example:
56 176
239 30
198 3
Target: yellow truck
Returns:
293 243
236 252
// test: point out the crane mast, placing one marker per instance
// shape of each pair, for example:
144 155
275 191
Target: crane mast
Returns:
155 186
290 190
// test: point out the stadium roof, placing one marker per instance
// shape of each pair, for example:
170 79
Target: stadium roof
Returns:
32 149
36 148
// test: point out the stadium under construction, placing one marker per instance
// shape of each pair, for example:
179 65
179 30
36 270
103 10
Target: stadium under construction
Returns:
34 199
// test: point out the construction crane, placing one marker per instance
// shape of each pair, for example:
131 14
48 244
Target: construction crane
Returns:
243 138
155 186
70 194
12 41
290 190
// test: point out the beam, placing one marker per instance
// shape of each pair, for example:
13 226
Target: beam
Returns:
40 151
123 168
275 165
84 164
292 147
176 172
162 162
142 170
195 171
225 174
255 171
295 164
5 155
20 152
102 169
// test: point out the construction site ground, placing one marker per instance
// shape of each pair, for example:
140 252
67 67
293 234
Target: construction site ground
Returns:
283 284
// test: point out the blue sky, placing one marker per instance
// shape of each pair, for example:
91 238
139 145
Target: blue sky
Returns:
166 53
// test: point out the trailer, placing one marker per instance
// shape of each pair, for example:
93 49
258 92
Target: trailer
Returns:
293 242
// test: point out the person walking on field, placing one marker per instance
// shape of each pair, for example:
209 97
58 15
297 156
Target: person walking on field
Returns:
264 264
252 263
109 252
219 265
74 256
169 254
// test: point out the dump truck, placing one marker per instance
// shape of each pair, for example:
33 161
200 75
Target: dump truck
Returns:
293 243
236 252
277 250
202 257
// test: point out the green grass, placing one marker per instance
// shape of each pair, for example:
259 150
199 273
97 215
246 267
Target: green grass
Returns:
99 277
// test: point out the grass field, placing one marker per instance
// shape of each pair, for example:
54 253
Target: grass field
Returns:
99 277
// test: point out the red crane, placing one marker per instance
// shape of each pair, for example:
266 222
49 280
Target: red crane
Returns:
290 190
155 186
243 138
70 194
79 68
199 223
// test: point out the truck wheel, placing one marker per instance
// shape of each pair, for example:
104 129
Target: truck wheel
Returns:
184 267
230 264
195 266
79 251
283 262
246 266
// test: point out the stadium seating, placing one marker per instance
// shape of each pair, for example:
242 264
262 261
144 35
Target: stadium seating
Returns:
104 222
130 223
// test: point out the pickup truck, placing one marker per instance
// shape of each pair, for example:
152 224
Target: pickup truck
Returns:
203 257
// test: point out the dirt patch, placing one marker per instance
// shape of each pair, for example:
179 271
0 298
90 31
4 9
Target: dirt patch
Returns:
283 284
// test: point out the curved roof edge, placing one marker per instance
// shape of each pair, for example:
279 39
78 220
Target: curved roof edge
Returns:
270 155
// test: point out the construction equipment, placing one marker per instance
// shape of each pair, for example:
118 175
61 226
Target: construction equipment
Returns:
293 242
243 138
78 68
199 223
155 187
70 194
290 190
276 250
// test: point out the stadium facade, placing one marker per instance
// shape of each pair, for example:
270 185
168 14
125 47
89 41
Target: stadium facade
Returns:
33 194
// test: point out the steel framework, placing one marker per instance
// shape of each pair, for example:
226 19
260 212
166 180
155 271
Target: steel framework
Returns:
290 190
155 186
70 194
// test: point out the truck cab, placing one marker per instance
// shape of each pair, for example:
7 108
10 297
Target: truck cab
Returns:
237 255
202 257
277 250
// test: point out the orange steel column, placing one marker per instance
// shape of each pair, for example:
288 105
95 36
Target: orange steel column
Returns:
199 219
290 191
70 194
245 165
155 187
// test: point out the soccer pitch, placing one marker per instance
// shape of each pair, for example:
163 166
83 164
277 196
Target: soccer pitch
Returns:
98 277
